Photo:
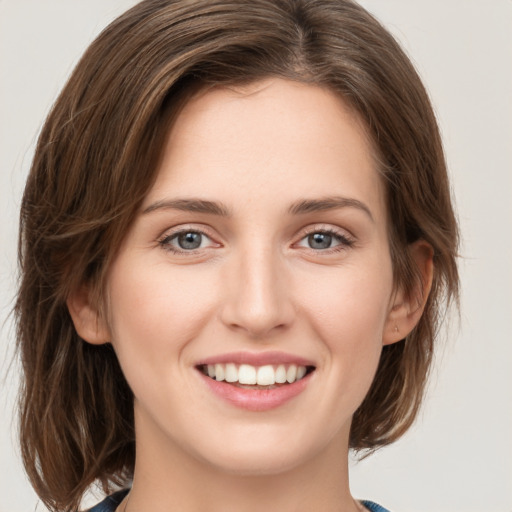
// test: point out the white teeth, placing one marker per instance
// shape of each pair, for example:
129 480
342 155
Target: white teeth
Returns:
219 372
231 373
301 371
247 374
266 376
281 374
291 373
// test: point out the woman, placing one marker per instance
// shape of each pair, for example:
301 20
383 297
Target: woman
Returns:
236 238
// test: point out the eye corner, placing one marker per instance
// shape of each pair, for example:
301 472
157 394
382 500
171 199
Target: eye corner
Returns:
323 239
187 240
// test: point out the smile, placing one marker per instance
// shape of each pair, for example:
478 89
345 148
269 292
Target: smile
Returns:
261 376
256 382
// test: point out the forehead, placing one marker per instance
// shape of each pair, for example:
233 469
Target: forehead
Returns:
272 139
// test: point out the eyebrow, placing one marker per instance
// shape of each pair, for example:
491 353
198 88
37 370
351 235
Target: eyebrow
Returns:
300 207
328 203
190 205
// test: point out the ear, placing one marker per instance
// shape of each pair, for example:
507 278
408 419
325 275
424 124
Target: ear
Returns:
406 309
88 322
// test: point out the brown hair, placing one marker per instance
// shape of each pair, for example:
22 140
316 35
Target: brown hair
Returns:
96 159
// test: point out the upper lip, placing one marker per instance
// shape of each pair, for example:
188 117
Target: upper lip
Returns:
256 359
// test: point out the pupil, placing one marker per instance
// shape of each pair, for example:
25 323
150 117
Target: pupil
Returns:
319 241
189 240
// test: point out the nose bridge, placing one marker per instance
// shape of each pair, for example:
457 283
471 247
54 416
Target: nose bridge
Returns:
257 297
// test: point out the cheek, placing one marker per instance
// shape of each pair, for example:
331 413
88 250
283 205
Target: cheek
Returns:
350 305
348 310
154 312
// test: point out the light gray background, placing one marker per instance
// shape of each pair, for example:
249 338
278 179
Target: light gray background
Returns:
458 456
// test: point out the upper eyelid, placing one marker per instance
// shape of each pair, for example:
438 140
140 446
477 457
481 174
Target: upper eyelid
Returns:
326 228
181 228
167 242
166 239
345 238
212 235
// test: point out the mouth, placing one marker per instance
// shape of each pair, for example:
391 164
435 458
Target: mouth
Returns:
257 381
247 376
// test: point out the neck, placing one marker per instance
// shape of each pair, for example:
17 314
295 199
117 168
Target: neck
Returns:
167 478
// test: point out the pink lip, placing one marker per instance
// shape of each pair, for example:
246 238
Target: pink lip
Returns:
256 359
257 400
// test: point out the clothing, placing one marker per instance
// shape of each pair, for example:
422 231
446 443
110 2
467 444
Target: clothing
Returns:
373 507
112 502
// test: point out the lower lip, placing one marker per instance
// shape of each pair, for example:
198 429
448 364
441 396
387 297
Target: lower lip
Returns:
256 399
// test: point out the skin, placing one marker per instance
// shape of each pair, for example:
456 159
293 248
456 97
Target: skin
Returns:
255 284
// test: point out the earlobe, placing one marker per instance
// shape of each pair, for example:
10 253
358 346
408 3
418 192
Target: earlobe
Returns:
88 322
407 309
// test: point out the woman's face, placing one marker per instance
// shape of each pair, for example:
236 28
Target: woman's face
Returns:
260 253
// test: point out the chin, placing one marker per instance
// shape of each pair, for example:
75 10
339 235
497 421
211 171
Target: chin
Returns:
260 455
260 464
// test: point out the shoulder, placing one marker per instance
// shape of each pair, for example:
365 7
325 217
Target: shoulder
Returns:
110 503
373 507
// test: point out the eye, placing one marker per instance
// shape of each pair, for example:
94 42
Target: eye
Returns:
186 241
323 240
320 241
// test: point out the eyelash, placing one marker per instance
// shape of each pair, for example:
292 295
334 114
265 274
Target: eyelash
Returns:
345 242
165 241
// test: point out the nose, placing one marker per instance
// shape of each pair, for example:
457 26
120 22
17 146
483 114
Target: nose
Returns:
257 294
